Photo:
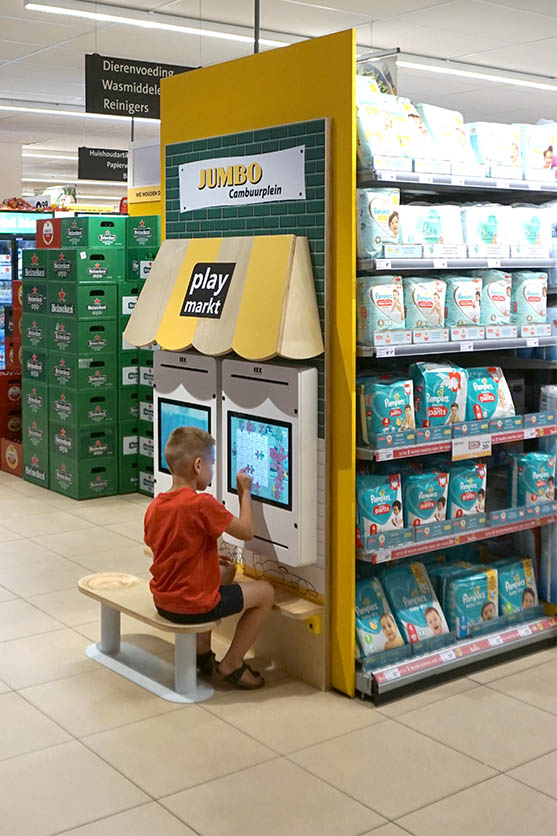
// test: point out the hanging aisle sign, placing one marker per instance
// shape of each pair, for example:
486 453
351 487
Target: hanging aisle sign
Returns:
235 181
102 164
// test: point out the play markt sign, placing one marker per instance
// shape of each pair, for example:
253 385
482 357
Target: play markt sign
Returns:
123 87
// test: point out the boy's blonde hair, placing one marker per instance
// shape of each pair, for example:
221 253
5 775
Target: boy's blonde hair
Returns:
185 444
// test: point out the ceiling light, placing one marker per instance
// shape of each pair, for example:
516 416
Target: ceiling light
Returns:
144 20
486 76
37 156
97 197
51 111
57 177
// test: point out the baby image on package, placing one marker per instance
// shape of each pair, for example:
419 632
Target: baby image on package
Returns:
488 394
382 127
424 498
424 302
413 602
529 297
378 220
463 302
379 500
380 306
517 586
471 599
495 143
496 297
439 393
532 479
376 628
467 489
447 128
386 406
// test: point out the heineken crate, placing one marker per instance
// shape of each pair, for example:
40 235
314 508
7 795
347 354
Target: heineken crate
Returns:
34 265
139 262
146 443
83 442
33 330
143 231
34 400
74 372
128 369
128 439
128 294
146 482
128 403
146 356
98 231
77 408
128 475
146 375
88 300
35 432
85 478
146 415
35 465
88 265
123 345
82 337
145 463
34 296
34 364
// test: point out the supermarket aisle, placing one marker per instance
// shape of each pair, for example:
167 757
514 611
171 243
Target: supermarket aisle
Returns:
85 751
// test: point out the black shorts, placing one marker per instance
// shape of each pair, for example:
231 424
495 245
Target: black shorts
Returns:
231 602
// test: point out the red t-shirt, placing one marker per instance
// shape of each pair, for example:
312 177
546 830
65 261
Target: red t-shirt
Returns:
181 528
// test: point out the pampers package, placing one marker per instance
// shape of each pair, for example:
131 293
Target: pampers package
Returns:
537 146
424 498
380 306
379 500
488 394
424 302
386 405
414 602
382 128
440 392
378 220
495 143
529 297
496 297
463 302
517 586
467 489
423 224
532 479
470 599
532 226
376 629
447 129
487 223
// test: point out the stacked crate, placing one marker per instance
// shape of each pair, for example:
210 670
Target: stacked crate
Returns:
10 379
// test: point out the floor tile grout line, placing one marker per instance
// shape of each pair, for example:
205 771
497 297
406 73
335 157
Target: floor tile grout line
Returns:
110 815
524 702
526 657
535 789
530 760
33 635
434 702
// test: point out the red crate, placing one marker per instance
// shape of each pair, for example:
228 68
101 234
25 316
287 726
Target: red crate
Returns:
10 390
11 457
10 423
17 294
13 355
49 234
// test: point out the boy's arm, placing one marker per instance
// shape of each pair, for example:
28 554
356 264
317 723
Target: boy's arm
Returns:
242 527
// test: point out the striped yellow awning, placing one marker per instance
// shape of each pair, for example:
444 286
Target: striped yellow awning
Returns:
253 296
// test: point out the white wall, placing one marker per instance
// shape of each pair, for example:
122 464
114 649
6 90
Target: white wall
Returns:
10 170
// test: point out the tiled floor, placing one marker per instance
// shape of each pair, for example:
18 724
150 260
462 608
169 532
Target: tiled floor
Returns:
83 751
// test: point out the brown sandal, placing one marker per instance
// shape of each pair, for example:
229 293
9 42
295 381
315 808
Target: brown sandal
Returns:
235 678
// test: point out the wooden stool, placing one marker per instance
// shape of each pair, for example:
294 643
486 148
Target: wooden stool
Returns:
118 593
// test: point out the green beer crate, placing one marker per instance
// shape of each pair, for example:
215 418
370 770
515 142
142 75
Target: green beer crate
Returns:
90 265
33 330
128 294
77 408
84 479
81 336
98 231
146 477
128 475
146 375
146 442
35 432
34 296
82 301
146 463
143 231
128 403
128 369
84 373
83 442
147 356
139 262
35 465
128 439
34 400
34 364
146 415
34 265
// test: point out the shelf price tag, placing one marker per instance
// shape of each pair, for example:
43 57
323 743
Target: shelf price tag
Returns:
457 181
495 641
447 655
471 447
530 432
503 184
393 673
384 455
467 346
440 263
386 351
382 264
532 342
383 555
524 631
425 178
493 263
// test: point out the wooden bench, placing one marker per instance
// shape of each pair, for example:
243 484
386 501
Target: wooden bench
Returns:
118 593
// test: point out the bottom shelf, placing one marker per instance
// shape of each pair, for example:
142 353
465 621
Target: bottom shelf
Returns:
404 673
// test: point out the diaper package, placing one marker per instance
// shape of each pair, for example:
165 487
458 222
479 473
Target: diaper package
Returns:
532 226
379 500
440 393
548 564
422 144
424 498
517 586
529 297
424 302
386 405
495 143
441 573
447 129
532 479
496 297
414 602
550 351
463 301
382 127
380 306
471 598
376 629
440 224
537 144
467 489
488 394
487 224
378 220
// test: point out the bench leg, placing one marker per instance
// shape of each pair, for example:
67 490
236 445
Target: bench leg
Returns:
110 630
185 663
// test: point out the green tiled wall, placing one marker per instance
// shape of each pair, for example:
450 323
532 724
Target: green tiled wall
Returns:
296 217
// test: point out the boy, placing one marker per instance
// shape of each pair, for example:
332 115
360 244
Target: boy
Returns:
188 585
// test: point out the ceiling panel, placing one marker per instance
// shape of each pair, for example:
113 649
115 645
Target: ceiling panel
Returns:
527 58
14 49
411 37
372 9
542 7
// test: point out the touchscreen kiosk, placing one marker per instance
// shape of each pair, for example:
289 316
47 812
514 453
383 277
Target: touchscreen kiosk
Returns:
185 395
269 429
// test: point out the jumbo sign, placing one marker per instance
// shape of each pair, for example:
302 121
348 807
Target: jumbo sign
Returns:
236 181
